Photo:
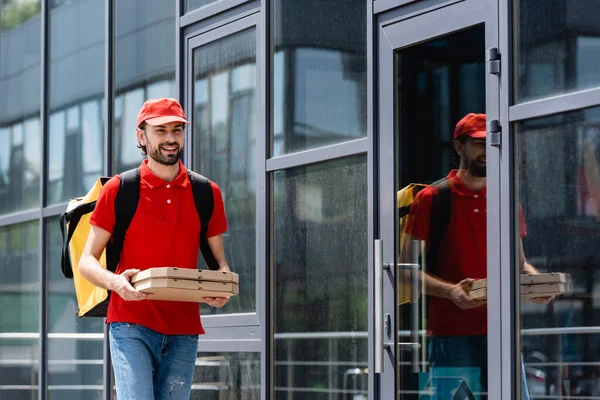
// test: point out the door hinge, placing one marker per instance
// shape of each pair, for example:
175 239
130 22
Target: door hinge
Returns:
494 133
494 61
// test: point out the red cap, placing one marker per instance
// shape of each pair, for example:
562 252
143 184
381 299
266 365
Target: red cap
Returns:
161 111
472 125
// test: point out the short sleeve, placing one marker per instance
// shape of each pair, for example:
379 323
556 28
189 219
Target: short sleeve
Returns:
104 212
522 225
218 222
419 216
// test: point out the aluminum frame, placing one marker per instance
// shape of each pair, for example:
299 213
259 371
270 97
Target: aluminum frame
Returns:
208 11
397 31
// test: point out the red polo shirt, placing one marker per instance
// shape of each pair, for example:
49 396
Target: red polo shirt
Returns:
164 232
462 254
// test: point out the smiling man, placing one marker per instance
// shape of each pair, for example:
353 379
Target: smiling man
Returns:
153 343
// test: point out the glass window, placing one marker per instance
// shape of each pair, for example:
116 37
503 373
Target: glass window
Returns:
76 84
20 135
19 302
320 74
227 376
224 130
320 300
75 347
557 47
144 69
558 181
191 5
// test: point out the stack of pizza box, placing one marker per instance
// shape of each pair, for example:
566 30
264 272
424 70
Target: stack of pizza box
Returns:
183 284
532 286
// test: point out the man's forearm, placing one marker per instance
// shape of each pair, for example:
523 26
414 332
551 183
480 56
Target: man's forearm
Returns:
436 287
90 269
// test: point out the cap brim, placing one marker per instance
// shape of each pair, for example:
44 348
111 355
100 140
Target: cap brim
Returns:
165 120
477 134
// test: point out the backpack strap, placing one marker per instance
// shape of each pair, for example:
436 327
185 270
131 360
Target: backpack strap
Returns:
205 203
126 203
439 219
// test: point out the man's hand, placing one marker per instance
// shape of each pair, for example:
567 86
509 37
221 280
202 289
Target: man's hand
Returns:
459 294
218 301
122 286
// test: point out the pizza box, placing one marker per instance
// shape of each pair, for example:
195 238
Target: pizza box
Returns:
540 279
185 273
527 291
529 279
185 289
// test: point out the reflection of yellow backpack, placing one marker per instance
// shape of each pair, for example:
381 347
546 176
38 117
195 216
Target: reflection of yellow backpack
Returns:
439 220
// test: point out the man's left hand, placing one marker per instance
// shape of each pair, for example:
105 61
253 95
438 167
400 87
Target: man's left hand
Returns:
216 301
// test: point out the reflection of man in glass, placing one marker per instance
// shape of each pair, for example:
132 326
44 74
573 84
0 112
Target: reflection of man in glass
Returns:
456 322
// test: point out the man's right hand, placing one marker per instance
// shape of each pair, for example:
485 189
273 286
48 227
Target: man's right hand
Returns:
459 294
122 286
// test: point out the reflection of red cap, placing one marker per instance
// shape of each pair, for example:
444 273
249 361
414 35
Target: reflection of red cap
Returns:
161 111
472 125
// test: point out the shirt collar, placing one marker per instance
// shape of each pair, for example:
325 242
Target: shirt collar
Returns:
460 188
154 181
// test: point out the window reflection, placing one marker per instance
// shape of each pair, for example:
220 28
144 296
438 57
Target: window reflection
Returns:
19 302
74 356
191 5
320 281
20 136
76 84
558 47
559 188
144 69
319 76
224 138
227 376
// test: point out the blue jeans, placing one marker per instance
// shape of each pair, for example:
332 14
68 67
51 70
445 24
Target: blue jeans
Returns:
149 365
454 358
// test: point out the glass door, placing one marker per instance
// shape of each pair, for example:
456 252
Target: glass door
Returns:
438 91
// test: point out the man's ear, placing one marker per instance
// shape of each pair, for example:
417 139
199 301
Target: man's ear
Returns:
141 136
458 147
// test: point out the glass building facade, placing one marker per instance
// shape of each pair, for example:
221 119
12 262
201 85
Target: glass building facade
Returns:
310 115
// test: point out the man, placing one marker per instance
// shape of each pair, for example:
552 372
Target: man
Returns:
456 322
154 343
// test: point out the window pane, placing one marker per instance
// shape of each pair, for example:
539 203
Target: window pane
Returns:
20 135
19 302
224 149
144 68
320 74
75 355
191 5
76 82
226 376
320 282
558 180
557 47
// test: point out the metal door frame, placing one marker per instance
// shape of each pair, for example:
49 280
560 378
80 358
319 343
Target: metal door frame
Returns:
398 29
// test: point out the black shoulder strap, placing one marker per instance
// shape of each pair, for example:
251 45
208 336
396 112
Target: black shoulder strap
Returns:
439 219
126 203
205 203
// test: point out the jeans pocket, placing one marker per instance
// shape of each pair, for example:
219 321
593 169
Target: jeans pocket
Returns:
193 338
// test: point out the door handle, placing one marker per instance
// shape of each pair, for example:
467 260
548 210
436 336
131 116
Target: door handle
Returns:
378 328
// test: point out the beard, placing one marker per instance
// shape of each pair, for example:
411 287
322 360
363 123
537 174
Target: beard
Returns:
477 169
170 158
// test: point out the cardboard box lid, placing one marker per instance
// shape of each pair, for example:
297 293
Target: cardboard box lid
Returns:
185 289
529 279
185 273
539 279
527 291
